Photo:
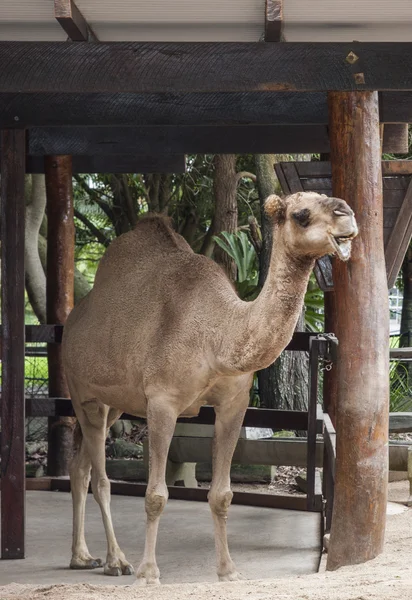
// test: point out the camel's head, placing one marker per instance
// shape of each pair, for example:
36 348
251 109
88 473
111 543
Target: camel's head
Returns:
314 224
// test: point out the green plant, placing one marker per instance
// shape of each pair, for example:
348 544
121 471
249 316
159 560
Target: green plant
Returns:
238 246
400 399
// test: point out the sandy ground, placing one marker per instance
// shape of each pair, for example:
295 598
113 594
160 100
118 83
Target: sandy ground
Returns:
389 577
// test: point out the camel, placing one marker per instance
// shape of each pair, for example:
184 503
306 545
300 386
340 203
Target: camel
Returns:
162 333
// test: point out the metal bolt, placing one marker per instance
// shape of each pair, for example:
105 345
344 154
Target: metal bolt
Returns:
359 78
16 118
352 58
6 549
18 549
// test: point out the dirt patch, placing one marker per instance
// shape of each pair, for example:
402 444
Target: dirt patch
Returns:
388 577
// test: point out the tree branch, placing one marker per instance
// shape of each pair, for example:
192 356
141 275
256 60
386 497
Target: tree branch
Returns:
92 228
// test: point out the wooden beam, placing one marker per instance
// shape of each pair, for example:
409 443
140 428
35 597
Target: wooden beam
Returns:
177 67
273 20
13 455
60 299
72 21
154 141
359 512
399 238
98 141
117 163
133 110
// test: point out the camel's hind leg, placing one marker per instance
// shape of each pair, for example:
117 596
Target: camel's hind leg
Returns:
79 478
94 419
228 424
161 421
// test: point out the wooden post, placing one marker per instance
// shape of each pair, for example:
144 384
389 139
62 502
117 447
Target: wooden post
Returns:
362 328
13 147
60 294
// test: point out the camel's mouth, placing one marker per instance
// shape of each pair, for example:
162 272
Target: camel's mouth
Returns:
343 246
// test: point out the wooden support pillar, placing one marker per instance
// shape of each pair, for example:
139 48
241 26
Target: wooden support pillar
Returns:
362 328
13 147
60 295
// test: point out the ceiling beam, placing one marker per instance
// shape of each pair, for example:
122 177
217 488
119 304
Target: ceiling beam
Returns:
175 67
273 20
72 21
116 164
153 141
259 108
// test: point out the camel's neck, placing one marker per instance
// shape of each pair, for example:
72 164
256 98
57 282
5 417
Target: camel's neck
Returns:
267 324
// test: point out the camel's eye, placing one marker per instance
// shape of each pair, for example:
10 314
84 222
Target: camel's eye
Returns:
302 217
339 213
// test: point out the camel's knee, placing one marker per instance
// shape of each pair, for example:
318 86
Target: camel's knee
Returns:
155 501
100 487
219 502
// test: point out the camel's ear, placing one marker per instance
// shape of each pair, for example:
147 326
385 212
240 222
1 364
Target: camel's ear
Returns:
275 208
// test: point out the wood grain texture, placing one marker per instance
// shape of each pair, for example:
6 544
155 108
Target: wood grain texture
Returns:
238 139
273 20
399 237
60 298
116 163
13 473
133 110
72 21
359 512
178 67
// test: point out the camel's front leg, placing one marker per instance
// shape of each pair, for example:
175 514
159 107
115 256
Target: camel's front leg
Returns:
227 429
161 422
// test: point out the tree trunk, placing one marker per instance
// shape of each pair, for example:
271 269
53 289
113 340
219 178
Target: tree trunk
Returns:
34 271
225 219
283 385
362 328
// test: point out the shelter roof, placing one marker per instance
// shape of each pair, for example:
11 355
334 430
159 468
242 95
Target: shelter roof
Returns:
214 20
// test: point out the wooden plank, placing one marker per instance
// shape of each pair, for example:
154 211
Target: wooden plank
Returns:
292 177
395 138
358 525
72 21
399 238
400 353
134 110
149 141
178 67
273 20
255 139
323 273
255 417
117 163
282 179
400 422
13 472
273 451
60 299
323 168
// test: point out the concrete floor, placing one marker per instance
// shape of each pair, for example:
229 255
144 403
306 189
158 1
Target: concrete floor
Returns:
264 542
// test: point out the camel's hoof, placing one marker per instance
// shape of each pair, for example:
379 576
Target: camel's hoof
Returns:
118 568
89 563
234 576
148 574
112 571
127 569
